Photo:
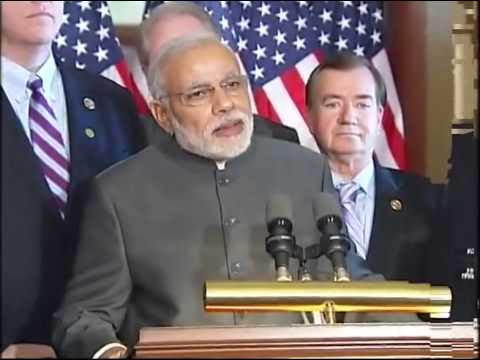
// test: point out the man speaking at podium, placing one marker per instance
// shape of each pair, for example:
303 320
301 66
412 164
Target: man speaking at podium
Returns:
188 209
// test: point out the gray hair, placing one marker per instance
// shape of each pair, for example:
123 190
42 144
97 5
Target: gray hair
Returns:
156 76
171 9
345 61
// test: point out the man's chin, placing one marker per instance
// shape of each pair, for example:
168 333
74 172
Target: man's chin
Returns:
348 145
228 148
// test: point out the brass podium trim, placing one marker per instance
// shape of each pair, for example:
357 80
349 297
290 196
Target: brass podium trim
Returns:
369 340
359 296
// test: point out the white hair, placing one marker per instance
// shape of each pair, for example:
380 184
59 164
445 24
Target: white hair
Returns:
156 76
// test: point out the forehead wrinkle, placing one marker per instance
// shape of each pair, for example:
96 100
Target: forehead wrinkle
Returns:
205 83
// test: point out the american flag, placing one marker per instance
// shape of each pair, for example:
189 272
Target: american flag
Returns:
87 40
281 42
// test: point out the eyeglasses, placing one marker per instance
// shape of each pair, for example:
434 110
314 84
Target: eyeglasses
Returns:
203 94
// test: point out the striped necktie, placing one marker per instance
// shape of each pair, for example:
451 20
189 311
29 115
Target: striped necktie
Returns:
348 197
48 144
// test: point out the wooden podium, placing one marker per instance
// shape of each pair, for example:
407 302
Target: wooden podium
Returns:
366 340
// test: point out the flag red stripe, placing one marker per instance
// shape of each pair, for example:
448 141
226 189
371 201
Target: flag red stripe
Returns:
394 138
264 106
296 89
126 76
142 105
319 55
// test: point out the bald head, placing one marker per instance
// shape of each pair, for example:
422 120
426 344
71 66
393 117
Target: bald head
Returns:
171 20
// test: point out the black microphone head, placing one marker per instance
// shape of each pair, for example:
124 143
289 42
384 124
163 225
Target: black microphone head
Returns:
278 207
327 205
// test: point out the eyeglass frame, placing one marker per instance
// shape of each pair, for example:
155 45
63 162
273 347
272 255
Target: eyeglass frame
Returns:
243 79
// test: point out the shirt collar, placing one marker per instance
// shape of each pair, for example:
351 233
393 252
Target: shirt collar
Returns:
221 165
15 77
364 178
47 72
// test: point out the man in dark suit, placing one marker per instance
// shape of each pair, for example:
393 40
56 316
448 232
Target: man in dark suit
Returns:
391 215
179 18
189 209
54 138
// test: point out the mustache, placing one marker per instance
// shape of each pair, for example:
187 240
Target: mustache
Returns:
231 119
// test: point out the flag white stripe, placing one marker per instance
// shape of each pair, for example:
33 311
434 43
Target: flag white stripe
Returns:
250 92
112 73
306 66
56 189
59 148
383 151
288 112
50 162
133 61
382 64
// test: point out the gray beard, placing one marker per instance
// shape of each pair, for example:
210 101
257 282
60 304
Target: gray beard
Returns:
210 147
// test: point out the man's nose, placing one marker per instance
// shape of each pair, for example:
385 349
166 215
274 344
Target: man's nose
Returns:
222 101
348 115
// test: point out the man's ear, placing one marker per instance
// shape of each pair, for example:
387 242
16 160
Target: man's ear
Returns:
160 113
308 118
380 115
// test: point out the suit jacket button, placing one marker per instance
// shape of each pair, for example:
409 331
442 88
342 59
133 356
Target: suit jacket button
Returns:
231 221
396 205
89 103
235 267
90 133
224 181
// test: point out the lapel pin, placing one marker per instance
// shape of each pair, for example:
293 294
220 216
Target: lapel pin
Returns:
90 133
89 103
396 205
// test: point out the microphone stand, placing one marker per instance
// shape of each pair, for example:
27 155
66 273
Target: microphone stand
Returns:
311 252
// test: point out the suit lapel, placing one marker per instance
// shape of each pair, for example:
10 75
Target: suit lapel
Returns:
14 126
386 223
82 121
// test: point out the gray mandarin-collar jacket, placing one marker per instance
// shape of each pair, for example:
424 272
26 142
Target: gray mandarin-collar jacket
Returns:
162 222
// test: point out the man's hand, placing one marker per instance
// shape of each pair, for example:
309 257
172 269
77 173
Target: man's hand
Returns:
114 353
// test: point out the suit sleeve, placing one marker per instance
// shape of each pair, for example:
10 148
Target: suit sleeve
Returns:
137 133
295 137
326 177
97 295
291 134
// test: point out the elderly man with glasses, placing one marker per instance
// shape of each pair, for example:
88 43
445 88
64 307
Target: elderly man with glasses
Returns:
173 19
188 209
